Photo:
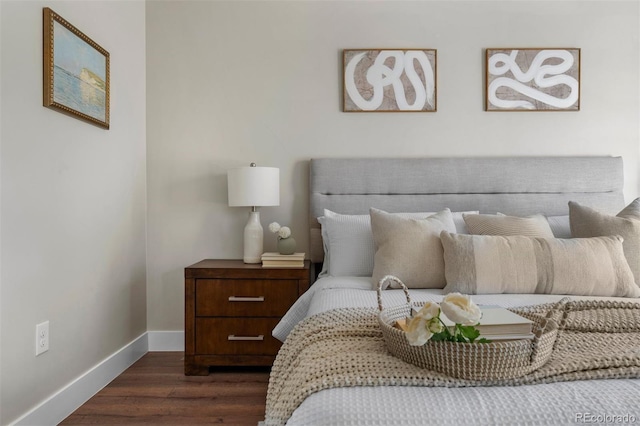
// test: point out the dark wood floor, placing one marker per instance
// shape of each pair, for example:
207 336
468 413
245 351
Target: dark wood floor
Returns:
155 391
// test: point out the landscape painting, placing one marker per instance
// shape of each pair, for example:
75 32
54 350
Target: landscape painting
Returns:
76 71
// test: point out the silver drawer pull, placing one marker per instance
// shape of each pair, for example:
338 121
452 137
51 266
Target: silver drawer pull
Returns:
246 299
233 337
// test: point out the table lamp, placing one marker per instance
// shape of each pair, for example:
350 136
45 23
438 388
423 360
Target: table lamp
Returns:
253 187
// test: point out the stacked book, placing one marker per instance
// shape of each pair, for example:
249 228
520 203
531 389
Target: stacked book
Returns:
496 324
500 324
277 260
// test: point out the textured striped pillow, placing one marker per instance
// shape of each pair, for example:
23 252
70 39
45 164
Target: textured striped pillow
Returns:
490 224
476 264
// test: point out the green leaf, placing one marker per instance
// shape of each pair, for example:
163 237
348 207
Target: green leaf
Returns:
460 333
439 337
469 331
460 338
445 329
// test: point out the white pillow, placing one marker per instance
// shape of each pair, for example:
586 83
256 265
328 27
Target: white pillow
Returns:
560 226
348 243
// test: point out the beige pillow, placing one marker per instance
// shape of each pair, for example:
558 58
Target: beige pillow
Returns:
587 222
410 249
482 264
490 224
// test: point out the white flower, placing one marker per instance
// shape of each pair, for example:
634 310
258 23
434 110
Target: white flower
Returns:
284 232
424 324
274 227
460 309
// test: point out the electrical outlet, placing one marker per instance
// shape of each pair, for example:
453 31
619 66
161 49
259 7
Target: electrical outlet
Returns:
42 338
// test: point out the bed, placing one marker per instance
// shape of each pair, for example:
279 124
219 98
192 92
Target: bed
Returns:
520 186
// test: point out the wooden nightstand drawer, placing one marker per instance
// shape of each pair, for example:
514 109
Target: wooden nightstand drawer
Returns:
245 298
230 309
236 336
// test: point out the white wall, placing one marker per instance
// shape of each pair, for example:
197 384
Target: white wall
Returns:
235 82
230 83
72 206
0 211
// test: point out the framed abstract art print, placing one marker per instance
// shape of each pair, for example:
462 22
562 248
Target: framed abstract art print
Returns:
389 80
527 79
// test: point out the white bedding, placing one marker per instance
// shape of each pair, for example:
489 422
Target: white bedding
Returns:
356 292
552 404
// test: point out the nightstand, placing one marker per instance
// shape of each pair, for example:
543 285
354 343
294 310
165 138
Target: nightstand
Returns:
230 308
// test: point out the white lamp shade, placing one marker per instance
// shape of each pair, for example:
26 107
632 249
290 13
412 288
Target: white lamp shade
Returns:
254 186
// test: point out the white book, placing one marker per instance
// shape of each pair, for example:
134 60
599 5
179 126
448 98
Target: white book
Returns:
283 266
402 325
500 337
497 322
278 256
283 262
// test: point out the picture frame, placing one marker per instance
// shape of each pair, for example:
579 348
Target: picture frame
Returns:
76 78
532 79
389 80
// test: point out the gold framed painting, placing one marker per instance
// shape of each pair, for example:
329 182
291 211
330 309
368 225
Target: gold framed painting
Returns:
389 80
75 71
532 79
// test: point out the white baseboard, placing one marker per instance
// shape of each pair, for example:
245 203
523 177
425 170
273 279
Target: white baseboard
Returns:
64 402
68 399
166 341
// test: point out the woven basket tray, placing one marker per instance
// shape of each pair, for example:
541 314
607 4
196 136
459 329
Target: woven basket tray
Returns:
470 361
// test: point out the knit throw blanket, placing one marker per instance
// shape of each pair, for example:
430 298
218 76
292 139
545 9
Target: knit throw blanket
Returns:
344 347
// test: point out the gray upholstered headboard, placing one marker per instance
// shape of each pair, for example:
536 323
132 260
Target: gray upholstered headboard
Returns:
510 185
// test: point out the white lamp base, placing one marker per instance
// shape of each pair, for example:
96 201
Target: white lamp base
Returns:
253 239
